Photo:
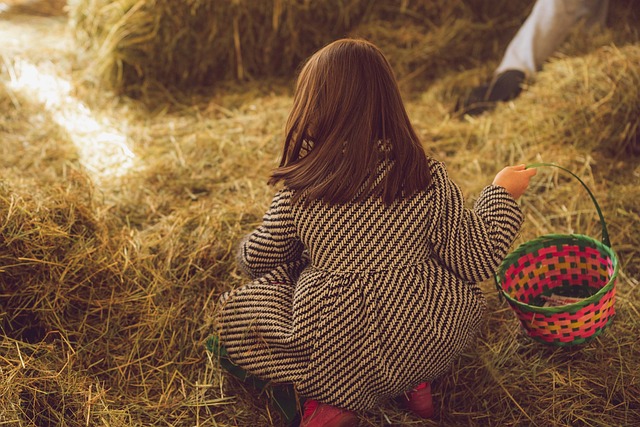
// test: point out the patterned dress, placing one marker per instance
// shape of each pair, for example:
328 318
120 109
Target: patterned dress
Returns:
360 302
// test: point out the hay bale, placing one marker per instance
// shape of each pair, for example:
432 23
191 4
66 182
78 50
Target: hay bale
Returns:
578 104
137 47
33 7
425 40
592 100
141 48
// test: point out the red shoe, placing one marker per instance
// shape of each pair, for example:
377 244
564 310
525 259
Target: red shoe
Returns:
320 415
420 402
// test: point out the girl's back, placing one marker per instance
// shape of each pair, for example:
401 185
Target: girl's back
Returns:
365 266
385 297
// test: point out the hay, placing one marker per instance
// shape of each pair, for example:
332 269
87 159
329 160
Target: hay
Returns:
107 291
41 385
427 40
595 100
138 48
33 7
155 48
60 286
125 283
124 309
142 46
32 141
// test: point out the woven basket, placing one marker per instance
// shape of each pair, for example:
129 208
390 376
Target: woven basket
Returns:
566 265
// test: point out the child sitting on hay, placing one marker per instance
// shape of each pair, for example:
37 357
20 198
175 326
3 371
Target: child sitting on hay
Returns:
365 266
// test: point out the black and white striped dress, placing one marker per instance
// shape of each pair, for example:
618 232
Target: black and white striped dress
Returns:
360 302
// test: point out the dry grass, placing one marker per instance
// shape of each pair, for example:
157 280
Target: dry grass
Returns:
107 287
144 47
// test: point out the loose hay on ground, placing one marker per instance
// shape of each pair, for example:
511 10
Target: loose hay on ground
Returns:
121 279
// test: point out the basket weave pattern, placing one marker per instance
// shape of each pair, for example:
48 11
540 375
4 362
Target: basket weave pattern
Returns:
567 265
562 265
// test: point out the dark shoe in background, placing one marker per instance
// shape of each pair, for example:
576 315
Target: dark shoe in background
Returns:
504 87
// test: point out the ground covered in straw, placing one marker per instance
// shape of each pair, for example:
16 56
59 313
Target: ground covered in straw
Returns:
119 219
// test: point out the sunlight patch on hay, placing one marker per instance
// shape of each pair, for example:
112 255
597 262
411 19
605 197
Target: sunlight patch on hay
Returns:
103 150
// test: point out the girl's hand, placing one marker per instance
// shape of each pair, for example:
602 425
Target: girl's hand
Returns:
514 179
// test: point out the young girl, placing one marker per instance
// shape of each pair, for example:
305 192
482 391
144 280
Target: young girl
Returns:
365 265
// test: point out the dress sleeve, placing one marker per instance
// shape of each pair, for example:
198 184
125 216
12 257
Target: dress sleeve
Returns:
473 242
274 242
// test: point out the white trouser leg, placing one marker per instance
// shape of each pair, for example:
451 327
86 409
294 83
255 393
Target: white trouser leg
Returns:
545 29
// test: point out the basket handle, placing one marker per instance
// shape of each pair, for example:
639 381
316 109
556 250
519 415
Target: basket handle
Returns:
605 234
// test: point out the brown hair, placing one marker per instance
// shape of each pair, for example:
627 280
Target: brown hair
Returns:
347 121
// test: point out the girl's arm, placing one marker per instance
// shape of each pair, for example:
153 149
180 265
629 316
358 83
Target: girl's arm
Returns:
274 242
473 242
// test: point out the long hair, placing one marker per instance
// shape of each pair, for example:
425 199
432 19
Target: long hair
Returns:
348 135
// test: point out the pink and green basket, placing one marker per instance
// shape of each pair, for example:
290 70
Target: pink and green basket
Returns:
571 265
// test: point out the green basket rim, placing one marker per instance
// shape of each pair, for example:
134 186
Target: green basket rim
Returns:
573 307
